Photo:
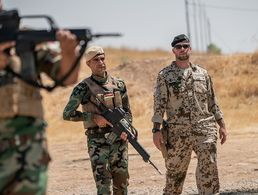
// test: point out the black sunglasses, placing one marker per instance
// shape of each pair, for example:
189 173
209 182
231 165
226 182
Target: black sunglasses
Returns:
185 46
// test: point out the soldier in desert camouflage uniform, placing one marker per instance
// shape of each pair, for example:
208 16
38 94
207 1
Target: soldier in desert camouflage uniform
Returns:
108 153
24 156
185 93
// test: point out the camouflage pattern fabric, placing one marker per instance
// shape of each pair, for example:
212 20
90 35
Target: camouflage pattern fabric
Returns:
186 95
182 141
188 99
109 162
23 156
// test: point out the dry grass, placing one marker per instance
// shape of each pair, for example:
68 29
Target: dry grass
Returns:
234 76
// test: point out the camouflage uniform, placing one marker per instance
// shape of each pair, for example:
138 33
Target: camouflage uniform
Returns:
108 153
24 156
187 97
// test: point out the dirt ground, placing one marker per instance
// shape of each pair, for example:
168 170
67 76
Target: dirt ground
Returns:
70 171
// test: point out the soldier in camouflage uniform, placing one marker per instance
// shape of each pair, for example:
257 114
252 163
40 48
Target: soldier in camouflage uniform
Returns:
108 153
185 93
24 156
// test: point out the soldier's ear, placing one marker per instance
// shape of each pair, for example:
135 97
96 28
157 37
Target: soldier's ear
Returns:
172 50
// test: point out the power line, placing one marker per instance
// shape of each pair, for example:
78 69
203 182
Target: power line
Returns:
229 8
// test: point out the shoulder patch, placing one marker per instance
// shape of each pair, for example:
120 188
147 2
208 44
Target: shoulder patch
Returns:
120 83
80 89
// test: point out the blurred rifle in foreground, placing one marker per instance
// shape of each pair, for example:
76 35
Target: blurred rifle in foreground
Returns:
26 41
117 117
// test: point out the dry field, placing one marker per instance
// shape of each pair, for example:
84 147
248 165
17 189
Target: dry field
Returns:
236 84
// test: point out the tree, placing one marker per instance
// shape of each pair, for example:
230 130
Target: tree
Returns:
213 49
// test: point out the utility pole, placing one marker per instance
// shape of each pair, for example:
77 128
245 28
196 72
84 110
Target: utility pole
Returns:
187 19
205 26
196 27
209 31
202 34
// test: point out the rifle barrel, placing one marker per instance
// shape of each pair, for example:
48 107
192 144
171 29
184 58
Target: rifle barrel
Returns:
107 35
155 167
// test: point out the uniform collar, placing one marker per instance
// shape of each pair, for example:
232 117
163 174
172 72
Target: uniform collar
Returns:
192 66
100 80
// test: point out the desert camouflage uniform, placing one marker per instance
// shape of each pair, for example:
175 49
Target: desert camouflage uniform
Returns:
24 156
187 97
109 160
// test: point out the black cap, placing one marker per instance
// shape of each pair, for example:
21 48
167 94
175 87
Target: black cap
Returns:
179 38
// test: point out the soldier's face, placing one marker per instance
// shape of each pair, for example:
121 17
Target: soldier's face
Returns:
182 51
97 65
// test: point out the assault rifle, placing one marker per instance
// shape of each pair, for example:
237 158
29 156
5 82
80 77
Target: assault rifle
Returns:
26 41
117 117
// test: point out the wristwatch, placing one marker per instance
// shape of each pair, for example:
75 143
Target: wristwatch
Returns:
154 130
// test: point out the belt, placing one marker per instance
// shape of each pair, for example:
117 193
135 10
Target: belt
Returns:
18 140
97 132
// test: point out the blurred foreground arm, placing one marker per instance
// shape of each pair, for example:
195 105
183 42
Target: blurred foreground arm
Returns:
3 56
68 44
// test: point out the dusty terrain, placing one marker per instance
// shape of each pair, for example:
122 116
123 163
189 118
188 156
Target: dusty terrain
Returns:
237 88
70 171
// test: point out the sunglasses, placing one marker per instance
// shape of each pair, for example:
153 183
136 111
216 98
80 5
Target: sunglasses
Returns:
185 46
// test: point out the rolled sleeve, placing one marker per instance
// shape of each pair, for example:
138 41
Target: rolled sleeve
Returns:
157 119
218 116
213 103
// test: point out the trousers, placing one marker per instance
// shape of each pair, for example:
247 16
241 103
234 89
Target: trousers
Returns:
181 143
24 156
109 164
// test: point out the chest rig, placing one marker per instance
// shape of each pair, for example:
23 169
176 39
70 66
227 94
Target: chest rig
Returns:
17 97
108 93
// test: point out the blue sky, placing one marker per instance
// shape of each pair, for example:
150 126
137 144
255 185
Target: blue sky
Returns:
151 24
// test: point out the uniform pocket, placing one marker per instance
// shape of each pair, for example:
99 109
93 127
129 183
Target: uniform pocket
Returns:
200 85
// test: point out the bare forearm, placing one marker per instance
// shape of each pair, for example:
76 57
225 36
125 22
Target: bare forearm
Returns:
221 123
66 64
68 44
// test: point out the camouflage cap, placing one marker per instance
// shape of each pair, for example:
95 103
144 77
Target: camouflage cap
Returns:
93 51
179 38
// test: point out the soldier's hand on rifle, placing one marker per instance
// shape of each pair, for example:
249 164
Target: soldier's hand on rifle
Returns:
68 44
3 55
158 139
123 136
100 121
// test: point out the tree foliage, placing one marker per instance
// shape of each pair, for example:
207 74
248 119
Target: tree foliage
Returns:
213 49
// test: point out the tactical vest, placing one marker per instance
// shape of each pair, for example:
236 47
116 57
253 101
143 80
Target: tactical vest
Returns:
108 93
19 98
